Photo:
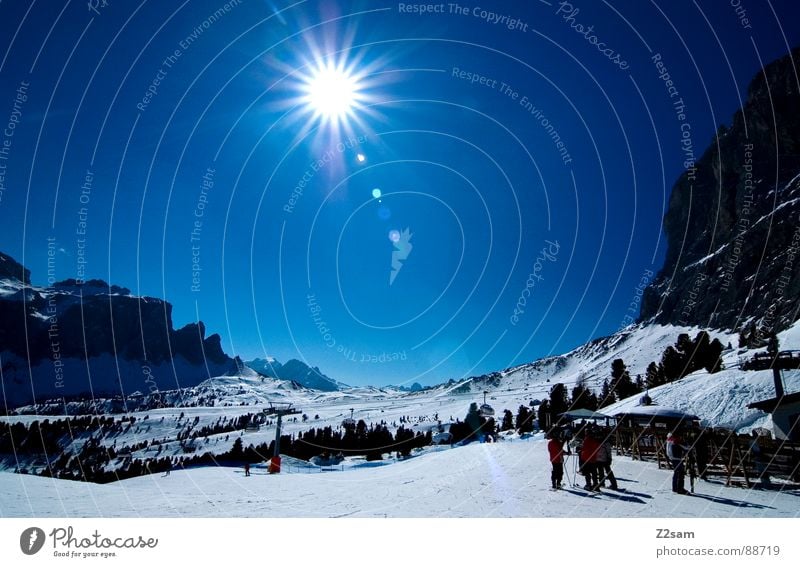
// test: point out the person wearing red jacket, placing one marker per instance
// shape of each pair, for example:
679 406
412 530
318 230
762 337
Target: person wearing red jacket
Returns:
588 457
555 448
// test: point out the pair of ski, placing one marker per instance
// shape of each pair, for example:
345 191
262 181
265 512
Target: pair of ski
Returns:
600 490
586 491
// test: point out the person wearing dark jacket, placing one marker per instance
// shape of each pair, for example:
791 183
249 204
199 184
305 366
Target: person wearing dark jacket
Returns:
588 456
700 445
566 439
555 448
677 453
604 466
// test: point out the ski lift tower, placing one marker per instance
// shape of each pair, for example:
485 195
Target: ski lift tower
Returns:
349 421
785 408
278 409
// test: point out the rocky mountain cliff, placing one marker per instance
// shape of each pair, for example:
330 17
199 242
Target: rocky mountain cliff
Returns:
94 339
10 269
733 222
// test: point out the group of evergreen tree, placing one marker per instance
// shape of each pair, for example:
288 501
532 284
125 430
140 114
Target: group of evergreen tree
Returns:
561 400
755 336
473 427
91 463
620 386
358 439
685 357
45 437
583 397
550 408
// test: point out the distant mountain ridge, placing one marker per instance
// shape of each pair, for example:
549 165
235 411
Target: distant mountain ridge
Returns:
92 338
296 371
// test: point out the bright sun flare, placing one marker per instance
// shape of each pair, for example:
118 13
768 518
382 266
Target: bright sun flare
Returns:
332 92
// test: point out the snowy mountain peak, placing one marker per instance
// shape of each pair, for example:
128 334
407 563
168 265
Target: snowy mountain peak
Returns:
296 371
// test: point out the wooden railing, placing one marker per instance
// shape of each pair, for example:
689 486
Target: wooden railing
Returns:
717 452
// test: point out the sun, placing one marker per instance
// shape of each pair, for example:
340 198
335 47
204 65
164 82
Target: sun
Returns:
331 92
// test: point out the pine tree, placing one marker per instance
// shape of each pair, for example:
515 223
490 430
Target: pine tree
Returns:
558 400
524 420
508 421
752 336
237 452
474 420
700 353
544 415
713 358
684 344
578 394
621 383
592 403
654 375
640 385
607 396
671 364
744 337
583 397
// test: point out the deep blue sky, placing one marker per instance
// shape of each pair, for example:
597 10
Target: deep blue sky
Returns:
466 167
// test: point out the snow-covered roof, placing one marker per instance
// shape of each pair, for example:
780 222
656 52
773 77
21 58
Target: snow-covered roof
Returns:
656 411
585 414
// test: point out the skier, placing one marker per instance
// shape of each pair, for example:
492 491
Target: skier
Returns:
555 448
758 459
700 444
604 465
676 453
588 455
566 437
247 469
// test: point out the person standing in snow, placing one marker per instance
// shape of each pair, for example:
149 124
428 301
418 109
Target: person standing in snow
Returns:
700 445
588 455
677 453
758 459
566 438
555 448
604 465
247 469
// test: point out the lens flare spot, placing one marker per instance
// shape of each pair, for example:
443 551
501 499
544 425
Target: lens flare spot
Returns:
376 193
394 235
385 214
361 158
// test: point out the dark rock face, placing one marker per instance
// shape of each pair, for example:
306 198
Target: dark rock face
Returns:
74 339
11 269
732 223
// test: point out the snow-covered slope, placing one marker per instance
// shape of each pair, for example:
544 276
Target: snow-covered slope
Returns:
508 479
720 399
637 345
